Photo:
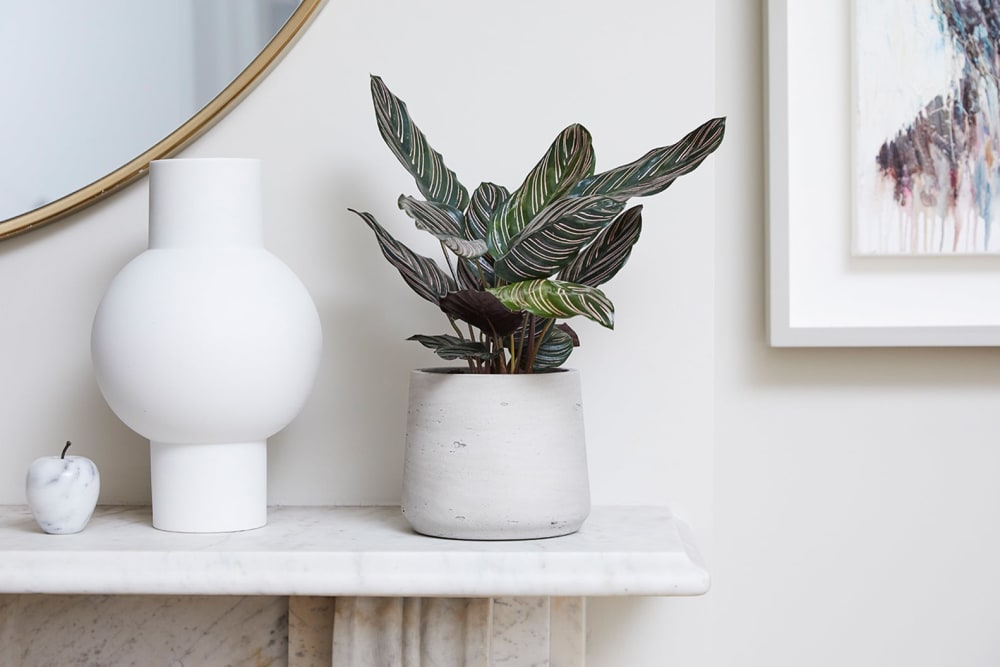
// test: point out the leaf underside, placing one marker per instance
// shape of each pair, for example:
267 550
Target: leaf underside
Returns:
444 223
482 310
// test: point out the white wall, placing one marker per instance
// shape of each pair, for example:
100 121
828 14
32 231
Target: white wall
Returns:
857 503
845 499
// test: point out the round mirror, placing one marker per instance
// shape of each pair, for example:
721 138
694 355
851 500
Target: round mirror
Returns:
96 90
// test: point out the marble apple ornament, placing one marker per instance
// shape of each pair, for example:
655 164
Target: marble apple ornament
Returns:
62 492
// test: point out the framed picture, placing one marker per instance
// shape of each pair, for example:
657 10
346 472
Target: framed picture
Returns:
882 175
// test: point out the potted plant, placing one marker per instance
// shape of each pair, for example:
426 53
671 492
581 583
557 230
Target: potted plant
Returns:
495 447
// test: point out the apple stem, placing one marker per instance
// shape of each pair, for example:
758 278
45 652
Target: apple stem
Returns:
63 455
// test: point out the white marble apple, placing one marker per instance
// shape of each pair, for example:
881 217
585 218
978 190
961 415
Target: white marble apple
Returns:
62 492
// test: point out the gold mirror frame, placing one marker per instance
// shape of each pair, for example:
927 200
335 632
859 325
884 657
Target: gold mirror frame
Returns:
174 142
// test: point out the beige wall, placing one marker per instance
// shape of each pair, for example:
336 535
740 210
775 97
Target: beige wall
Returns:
846 500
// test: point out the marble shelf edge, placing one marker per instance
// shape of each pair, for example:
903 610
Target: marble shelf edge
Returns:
350 551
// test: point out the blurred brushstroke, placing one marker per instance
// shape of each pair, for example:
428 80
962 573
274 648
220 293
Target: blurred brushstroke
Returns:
945 160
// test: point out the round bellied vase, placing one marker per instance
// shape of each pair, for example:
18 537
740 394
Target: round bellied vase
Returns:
206 344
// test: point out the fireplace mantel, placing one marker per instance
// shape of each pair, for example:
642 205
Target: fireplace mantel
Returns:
357 551
362 575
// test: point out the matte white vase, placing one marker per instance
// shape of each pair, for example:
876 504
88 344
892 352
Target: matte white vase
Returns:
206 344
495 457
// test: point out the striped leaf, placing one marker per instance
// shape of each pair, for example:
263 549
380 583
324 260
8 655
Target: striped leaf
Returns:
554 298
422 274
438 219
452 347
554 350
657 169
485 199
607 254
445 223
555 236
569 159
476 273
434 180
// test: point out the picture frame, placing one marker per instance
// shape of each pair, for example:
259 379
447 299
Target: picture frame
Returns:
819 293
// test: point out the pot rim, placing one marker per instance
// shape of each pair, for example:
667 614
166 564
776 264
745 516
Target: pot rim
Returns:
464 371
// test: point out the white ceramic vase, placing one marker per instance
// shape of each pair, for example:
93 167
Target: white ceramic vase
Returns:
206 344
495 457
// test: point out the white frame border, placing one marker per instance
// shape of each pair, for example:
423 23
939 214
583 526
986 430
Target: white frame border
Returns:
781 331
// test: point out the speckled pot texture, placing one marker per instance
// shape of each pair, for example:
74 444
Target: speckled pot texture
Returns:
495 457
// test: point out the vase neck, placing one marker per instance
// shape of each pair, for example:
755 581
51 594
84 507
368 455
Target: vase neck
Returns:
205 203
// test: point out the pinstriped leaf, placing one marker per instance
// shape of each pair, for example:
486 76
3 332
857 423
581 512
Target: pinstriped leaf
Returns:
555 236
451 347
554 350
435 181
657 169
555 298
432 217
485 199
422 274
444 223
569 159
607 254
476 273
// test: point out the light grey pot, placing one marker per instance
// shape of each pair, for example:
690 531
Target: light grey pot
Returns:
495 457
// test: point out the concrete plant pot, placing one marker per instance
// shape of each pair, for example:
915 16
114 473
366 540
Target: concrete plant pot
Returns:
495 457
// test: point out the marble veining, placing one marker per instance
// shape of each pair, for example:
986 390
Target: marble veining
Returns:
310 629
62 492
144 631
349 551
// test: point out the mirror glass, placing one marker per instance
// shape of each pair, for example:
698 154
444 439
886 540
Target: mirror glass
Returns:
94 88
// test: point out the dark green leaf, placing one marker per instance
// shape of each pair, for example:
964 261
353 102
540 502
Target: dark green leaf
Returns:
657 169
452 347
607 254
569 159
482 310
554 350
434 180
568 330
553 298
485 200
421 273
477 273
555 236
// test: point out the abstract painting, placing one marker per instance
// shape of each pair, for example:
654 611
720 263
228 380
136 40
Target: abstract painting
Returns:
926 127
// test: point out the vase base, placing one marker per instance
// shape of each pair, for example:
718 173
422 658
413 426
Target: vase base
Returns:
209 488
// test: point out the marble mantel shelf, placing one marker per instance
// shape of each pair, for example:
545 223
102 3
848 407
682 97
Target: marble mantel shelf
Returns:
349 551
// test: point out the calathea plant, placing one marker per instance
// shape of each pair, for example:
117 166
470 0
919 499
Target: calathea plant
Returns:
517 262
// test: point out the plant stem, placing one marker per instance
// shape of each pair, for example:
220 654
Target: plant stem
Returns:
451 320
529 357
63 455
534 348
447 259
